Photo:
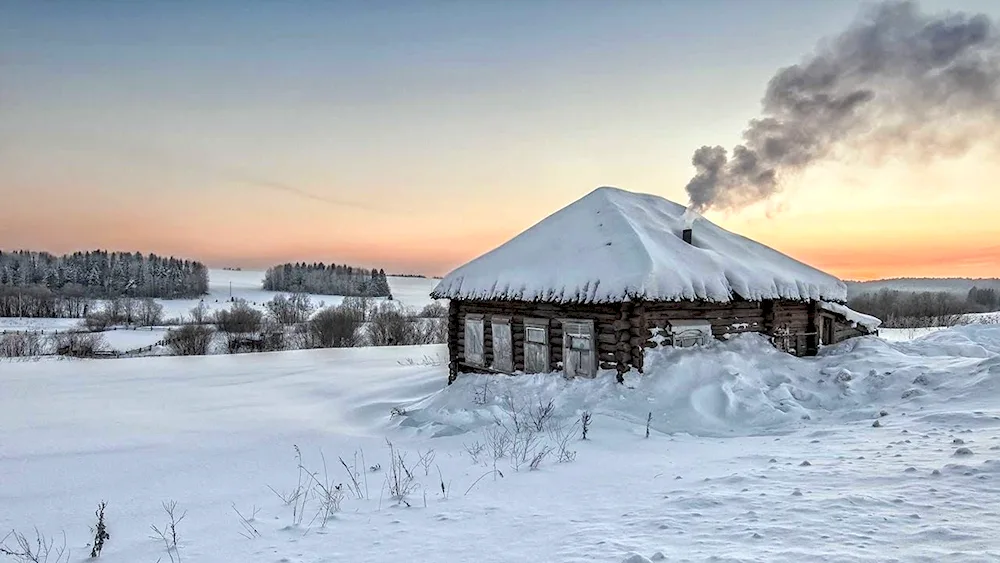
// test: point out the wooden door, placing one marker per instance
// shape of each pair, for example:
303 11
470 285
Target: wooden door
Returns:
536 347
579 349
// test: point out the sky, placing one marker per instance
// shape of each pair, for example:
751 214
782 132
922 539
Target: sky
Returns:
415 136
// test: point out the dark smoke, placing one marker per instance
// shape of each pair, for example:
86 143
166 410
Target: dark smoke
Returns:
896 80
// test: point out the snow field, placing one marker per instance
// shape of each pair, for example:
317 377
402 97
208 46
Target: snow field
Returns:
753 455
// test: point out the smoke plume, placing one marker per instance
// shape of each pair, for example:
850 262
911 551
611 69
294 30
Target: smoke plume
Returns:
896 81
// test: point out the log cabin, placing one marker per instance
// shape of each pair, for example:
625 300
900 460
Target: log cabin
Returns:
597 283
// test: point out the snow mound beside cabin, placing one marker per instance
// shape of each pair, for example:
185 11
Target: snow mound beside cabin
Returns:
741 387
613 245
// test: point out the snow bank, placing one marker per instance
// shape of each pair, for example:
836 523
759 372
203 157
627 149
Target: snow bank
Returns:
740 387
852 316
613 245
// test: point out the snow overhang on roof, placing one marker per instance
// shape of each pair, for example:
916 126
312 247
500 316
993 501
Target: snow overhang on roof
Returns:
613 245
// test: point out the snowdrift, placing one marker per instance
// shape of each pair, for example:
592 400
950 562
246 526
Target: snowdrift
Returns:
741 387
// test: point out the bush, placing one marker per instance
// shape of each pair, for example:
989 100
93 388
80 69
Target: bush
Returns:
190 340
79 344
389 326
99 320
334 327
20 345
429 331
239 319
433 311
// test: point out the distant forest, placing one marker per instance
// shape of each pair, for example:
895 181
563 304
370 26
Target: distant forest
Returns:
907 309
327 279
39 284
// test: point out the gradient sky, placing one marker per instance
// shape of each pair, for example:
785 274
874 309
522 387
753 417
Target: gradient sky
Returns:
417 135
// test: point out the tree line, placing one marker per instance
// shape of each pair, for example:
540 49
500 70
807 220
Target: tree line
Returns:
39 284
327 279
909 309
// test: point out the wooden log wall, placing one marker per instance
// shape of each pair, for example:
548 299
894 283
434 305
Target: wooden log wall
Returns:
603 316
622 331
725 318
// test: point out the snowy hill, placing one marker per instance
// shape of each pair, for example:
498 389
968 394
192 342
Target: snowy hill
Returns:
753 455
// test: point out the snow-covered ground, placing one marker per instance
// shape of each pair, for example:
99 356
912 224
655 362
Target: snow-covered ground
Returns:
753 456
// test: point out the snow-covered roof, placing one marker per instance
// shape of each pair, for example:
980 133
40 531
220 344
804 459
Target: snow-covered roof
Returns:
852 316
613 245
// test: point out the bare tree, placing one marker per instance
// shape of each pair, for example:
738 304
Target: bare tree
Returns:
199 313
150 313
288 310
362 306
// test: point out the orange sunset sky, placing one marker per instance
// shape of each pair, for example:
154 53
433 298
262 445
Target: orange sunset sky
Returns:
416 136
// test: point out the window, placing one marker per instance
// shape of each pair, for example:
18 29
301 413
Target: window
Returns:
536 345
684 334
474 340
579 359
503 345
828 334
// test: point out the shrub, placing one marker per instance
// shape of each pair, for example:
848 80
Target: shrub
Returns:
430 331
389 326
20 345
242 326
334 327
239 319
98 320
189 340
79 344
433 311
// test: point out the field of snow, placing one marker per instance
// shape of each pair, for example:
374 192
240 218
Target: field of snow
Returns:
753 456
